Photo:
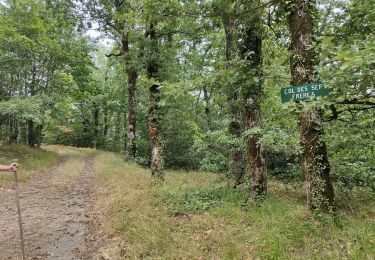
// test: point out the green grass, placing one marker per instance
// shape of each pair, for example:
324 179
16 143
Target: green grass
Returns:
32 161
199 199
195 216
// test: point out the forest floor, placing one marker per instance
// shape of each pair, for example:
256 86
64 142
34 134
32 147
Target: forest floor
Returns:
92 205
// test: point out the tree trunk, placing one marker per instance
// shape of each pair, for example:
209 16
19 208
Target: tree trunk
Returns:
132 75
207 110
13 131
156 141
117 132
236 157
38 135
30 135
96 139
256 162
106 126
31 132
19 132
132 115
154 115
314 161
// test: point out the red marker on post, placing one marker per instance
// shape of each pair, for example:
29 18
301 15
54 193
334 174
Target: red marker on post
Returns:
15 169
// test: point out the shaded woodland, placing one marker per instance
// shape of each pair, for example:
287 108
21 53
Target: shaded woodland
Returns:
195 85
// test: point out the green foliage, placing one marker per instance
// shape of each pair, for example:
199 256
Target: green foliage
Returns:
352 155
54 76
199 199
214 150
23 109
59 83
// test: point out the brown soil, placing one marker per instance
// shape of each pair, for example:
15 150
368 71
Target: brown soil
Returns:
59 221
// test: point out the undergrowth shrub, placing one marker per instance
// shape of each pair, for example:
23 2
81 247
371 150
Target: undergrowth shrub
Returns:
214 149
199 199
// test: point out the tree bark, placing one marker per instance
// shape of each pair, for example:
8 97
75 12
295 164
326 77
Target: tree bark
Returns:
30 133
38 135
207 110
13 131
106 126
117 132
156 141
154 111
96 139
132 75
236 157
132 115
19 132
256 162
314 161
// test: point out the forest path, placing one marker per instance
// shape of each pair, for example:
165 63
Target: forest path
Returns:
58 212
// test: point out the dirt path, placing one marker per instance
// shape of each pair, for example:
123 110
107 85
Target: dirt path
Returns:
58 219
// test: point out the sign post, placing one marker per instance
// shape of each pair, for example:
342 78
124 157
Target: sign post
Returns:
304 92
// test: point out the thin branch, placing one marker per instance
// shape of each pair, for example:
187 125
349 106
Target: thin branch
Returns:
352 110
273 2
114 54
356 102
335 113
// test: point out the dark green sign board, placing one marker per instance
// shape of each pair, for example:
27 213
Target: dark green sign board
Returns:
304 92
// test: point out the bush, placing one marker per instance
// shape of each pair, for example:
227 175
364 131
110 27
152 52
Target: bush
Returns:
198 199
214 148
284 167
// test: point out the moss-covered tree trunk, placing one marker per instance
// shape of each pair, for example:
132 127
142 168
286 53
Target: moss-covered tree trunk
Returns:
132 115
314 161
154 115
252 89
132 75
236 157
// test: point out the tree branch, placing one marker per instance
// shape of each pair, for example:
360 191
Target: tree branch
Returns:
336 113
114 54
356 101
273 2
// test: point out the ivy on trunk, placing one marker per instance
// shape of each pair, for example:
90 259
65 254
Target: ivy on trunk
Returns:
314 161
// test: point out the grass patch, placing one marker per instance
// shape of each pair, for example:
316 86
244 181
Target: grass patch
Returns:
74 162
68 173
31 160
195 216
198 199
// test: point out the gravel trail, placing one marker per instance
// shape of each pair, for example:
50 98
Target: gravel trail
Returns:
58 220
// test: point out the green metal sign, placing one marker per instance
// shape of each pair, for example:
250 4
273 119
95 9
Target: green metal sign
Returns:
304 92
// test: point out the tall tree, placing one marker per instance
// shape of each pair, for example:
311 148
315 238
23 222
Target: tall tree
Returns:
118 18
132 75
154 115
251 54
236 159
314 161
